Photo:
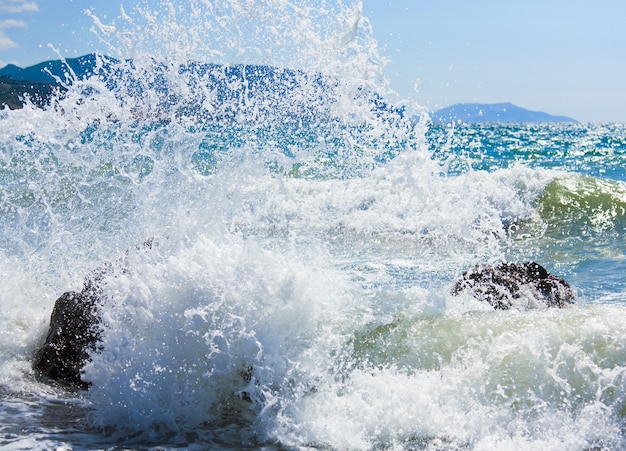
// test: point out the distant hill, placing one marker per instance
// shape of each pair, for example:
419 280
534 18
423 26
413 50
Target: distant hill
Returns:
45 72
493 112
272 86
12 92
40 80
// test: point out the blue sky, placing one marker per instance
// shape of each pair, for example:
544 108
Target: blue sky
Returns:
562 57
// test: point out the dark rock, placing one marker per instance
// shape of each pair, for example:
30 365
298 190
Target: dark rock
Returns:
75 328
505 284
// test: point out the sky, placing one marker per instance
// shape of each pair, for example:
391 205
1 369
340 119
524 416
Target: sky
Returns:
563 57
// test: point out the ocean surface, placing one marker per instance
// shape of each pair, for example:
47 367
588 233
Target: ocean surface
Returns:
305 236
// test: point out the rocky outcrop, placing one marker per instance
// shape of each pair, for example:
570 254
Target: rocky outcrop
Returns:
74 332
76 327
75 323
509 284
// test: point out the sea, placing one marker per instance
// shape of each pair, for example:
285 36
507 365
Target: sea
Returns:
304 234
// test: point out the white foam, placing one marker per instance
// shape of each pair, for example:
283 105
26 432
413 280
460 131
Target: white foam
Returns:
296 291
190 332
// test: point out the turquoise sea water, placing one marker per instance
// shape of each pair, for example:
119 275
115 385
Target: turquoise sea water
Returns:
305 239
578 221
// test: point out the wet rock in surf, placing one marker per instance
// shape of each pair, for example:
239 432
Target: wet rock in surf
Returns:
74 332
508 284
76 327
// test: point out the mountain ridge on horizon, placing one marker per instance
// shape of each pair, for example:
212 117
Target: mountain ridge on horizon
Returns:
47 74
47 71
39 81
493 112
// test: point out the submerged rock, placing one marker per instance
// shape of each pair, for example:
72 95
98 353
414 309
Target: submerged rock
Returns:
74 332
504 285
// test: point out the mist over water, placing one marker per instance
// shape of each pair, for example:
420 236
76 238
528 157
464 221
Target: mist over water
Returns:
304 234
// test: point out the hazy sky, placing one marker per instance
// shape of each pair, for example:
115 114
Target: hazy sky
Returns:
561 57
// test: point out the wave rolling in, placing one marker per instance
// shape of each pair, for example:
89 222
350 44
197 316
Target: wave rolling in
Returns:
305 237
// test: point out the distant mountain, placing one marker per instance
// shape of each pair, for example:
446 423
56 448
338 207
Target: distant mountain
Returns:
40 80
493 112
274 87
13 92
45 72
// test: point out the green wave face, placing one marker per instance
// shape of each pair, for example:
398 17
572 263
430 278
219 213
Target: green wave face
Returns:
583 206
579 226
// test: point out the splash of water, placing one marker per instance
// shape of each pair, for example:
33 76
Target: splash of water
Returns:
294 214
